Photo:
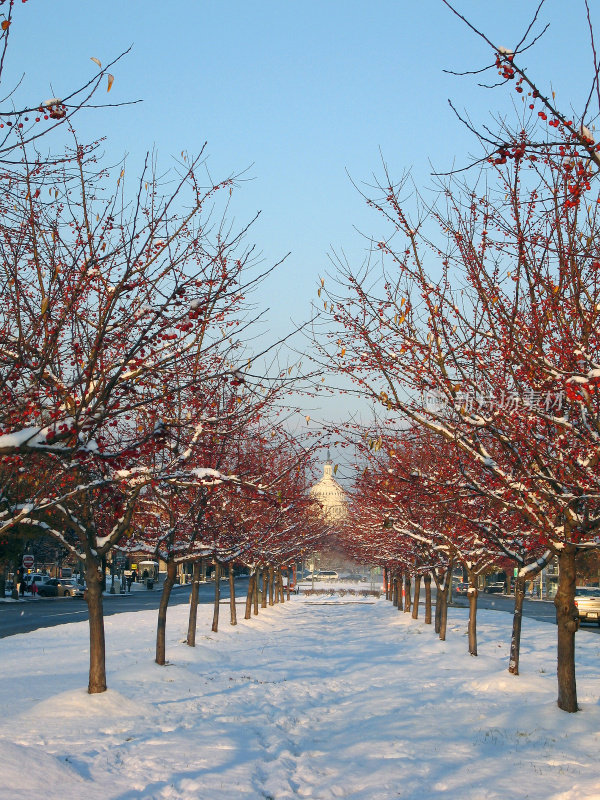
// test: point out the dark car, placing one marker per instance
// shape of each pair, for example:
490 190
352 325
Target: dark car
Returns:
461 588
354 576
60 587
497 587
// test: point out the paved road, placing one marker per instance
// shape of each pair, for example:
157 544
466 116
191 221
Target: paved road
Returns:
30 614
542 610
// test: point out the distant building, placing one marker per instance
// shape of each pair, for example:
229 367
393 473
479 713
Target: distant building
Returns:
330 495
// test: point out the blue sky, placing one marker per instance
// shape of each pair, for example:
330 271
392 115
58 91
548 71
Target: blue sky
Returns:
300 93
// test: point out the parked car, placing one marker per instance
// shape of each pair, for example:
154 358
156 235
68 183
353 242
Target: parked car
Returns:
461 588
497 587
587 600
326 575
35 577
354 576
78 586
60 587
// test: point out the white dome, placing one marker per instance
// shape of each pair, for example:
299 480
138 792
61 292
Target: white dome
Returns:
330 495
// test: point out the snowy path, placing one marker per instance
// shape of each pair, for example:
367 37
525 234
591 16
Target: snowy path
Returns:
309 700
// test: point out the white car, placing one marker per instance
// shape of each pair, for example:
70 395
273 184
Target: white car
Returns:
326 575
587 600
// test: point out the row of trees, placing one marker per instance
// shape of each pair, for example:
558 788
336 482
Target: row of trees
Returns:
133 413
413 513
476 322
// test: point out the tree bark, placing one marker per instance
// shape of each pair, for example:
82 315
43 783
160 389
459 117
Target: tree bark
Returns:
438 604
280 585
568 622
193 620
97 674
443 613
444 604
288 587
248 614
232 595
427 581
515 640
385 583
255 593
215 622
265 587
415 611
162 612
400 593
271 586
407 589
395 593
473 594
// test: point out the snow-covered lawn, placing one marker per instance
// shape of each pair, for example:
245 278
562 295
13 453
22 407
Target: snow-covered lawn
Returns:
315 698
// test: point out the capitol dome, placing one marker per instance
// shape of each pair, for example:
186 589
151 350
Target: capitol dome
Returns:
330 495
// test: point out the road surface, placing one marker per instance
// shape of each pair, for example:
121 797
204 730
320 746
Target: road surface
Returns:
44 612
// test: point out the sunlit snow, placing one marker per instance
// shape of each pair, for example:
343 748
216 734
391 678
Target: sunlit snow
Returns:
323 697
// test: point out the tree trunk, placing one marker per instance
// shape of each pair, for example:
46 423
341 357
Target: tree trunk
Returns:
415 611
265 587
275 577
278 586
232 595
248 614
385 583
567 620
271 585
444 606
400 582
97 674
515 641
395 592
288 587
473 594
255 592
162 612
407 588
191 635
427 581
438 604
215 622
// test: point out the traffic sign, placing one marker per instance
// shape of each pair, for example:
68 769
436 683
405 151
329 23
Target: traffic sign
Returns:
28 561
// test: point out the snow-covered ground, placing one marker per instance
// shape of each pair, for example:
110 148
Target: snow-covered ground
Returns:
319 698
